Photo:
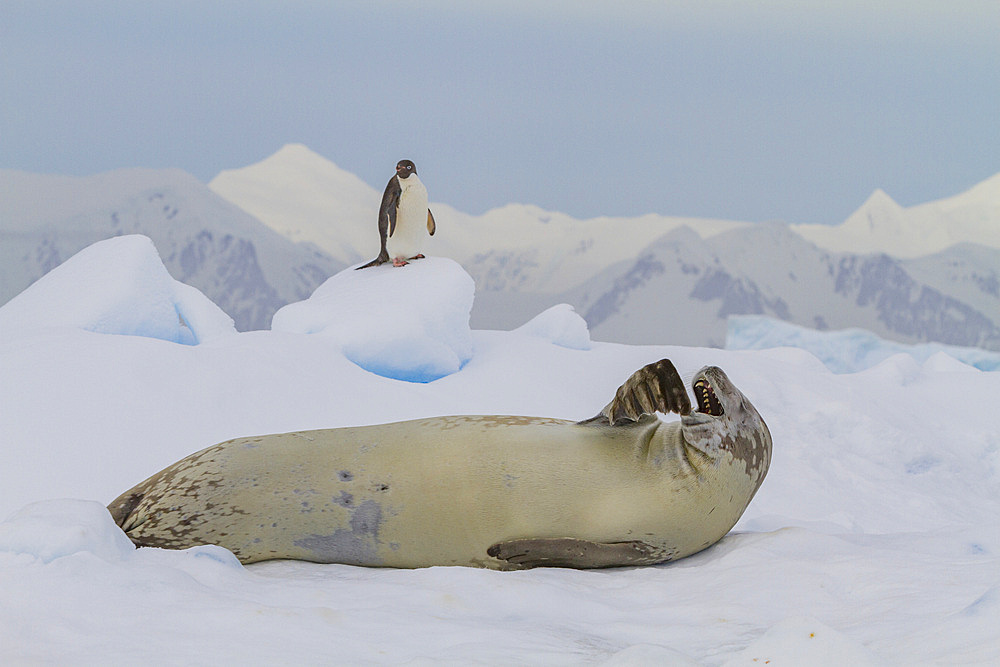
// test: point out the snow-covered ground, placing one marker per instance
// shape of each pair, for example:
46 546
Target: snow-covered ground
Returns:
873 540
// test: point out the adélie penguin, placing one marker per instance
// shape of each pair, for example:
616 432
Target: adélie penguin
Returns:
402 217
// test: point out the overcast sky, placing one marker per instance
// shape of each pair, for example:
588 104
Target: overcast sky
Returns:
768 110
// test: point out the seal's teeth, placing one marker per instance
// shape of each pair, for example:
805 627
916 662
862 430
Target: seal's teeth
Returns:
708 403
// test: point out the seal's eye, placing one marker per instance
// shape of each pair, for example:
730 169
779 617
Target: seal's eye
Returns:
707 402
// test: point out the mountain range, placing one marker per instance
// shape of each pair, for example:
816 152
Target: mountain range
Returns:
245 267
269 233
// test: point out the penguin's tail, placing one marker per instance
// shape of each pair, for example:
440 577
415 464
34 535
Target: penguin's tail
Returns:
382 258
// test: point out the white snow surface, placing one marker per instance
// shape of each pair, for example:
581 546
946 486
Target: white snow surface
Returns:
847 350
560 325
116 286
873 540
408 323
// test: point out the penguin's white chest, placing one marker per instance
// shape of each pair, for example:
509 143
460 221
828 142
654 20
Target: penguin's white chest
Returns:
411 220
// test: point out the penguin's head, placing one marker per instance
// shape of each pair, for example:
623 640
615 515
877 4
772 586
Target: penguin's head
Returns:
404 168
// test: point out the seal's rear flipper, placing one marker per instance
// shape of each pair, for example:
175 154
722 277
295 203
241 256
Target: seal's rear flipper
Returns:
653 388
122 507
571 552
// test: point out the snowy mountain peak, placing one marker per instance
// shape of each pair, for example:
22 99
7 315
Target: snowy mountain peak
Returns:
291 165
880 200
881 225
983 195
878 212
306 197
295 152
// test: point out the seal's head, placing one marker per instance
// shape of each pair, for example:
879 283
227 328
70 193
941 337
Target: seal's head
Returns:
726 421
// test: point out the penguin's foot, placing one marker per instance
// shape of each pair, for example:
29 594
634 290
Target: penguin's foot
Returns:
399 262
417 257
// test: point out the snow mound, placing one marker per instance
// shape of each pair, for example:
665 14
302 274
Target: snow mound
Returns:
116 286
560 325
409 323
47 530
649 654
804 641
846 351
51 529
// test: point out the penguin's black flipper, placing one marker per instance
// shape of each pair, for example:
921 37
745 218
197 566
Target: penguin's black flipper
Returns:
431 225
386 220
387 211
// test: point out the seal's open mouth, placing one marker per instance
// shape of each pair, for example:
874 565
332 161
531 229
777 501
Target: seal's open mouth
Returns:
707 402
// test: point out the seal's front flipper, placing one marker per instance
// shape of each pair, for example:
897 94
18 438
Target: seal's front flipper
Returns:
653 388
571 552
